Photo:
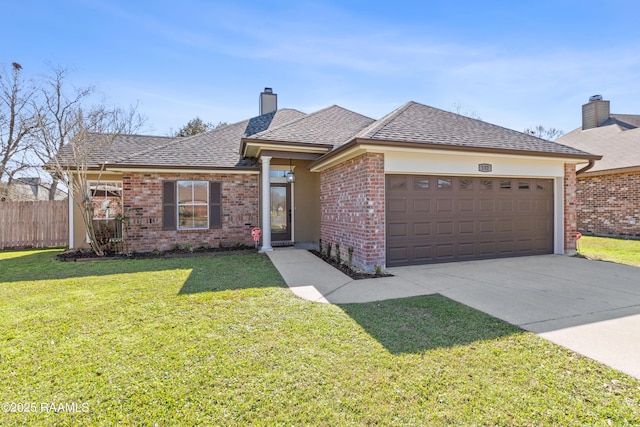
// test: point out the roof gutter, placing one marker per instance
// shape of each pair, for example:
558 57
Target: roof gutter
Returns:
586 168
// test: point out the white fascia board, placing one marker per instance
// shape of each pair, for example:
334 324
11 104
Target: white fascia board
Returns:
466 164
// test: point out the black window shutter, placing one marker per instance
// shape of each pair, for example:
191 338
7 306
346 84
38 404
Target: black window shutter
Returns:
169 205
215 204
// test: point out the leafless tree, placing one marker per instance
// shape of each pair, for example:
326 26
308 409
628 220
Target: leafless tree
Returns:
83 158
544 132
17 120
460 109
57 118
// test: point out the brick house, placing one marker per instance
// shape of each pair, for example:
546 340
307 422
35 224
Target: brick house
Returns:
608 194
420 185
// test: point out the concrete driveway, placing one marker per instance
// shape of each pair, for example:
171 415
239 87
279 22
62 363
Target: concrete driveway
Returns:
590 307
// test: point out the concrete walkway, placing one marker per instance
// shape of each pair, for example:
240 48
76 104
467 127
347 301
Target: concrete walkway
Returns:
590 307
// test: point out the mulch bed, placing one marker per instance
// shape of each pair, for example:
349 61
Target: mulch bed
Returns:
351 272
88 255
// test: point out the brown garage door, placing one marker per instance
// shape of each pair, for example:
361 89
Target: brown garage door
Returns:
443 218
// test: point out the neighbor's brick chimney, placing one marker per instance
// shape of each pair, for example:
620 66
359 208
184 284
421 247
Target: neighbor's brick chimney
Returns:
595 112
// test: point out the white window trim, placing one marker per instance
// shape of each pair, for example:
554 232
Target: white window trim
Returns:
118 184
178 227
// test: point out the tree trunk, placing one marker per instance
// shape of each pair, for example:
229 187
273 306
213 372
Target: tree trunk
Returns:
54 188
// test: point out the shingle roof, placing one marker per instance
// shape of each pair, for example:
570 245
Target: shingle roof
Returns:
625 121
122 147
333 125
217 148
618 143
421 124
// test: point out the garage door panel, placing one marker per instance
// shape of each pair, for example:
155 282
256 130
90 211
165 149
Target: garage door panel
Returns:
422 229
444 205
524 205
487 226
397 205
467 249
504 225
466 205
440 219
397 230
487 205
421 205
398 256
444 251
423 253
465 227
505 206
444 228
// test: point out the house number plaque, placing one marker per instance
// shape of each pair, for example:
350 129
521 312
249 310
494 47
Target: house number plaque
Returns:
484 167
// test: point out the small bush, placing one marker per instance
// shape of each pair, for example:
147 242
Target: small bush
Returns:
329 250
350 252
378 269
338 253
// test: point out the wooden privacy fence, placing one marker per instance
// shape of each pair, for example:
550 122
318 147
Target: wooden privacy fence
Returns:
34 224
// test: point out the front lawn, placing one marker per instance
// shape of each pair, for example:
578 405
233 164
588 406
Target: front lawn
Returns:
608 249
221 341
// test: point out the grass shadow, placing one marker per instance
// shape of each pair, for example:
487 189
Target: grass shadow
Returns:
206 273
418 324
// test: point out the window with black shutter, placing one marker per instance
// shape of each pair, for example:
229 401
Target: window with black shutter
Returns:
215 204
169 205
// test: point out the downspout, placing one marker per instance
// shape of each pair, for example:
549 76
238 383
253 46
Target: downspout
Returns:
586 168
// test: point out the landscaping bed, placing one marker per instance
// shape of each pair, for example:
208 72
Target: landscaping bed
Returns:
177 251
349 271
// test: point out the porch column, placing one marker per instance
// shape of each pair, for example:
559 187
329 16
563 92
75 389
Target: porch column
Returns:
266 204
71 220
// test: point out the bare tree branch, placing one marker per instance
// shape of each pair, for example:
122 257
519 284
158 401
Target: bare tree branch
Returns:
544 133
83 159
18 119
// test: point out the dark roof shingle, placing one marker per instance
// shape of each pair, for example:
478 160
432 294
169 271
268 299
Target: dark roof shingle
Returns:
332 126
421 124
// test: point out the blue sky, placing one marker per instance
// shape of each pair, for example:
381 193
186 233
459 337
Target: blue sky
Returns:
513 63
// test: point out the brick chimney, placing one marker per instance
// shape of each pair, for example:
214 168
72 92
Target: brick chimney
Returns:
595 112
268 101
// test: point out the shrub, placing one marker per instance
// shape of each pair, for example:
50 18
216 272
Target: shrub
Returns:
350 252
329 250
338 253
378 269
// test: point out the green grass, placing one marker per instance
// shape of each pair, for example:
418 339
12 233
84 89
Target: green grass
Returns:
608 249
222 341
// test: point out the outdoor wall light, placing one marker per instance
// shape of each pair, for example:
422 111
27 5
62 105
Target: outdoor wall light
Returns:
291 177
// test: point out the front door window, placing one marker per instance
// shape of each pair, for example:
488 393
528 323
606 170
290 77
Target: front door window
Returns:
280 212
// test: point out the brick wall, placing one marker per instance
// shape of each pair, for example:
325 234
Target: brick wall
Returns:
352 209
570 212
609 205
142 201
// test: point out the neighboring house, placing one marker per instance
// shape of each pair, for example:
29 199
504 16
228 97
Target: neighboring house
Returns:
608 195
420 185
28 190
